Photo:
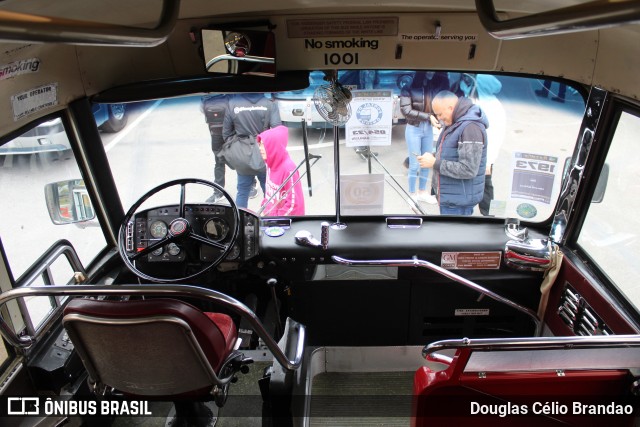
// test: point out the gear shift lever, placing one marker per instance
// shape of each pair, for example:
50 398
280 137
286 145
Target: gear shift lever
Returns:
324 235
305 238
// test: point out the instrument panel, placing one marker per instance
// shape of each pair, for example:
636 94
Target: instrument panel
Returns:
214 222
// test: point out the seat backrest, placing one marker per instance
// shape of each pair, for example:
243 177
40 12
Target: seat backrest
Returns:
477 381
153 347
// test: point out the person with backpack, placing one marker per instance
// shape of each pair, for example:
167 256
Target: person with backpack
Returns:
248 115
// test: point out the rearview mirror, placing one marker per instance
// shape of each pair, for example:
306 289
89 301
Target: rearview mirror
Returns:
601 186
68 202
239 51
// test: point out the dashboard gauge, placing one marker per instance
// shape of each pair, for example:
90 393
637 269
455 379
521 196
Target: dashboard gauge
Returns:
158 229
157 252
234 253
173 249
216 229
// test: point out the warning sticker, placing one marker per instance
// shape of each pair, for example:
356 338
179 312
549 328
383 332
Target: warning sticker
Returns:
342 27
31 65
471 260
34 100
472 312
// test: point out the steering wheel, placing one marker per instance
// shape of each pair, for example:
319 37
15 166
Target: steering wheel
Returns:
179 231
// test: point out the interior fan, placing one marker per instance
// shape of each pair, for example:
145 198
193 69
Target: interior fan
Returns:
332 100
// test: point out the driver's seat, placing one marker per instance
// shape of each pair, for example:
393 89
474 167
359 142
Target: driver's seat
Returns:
155 347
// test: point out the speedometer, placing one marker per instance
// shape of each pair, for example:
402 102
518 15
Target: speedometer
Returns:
216 229
158 229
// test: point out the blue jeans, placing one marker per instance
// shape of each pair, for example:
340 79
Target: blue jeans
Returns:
244 188
419 140
456 210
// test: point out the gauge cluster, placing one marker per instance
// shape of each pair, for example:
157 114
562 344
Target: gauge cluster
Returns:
212 222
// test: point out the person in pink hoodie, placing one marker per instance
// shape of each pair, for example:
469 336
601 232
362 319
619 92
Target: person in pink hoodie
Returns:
290 199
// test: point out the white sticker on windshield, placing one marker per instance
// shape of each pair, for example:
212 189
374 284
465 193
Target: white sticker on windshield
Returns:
34 100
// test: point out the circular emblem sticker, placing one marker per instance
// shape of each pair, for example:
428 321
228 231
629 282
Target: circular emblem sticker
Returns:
526 210
369 113
274 231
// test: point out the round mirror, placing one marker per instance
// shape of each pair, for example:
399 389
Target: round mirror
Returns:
237 44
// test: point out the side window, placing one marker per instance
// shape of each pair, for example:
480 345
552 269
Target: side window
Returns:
36 166
610 234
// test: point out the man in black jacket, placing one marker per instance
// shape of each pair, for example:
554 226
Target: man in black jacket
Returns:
248 115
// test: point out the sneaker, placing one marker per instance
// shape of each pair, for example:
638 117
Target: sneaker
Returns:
427 198
214 197
253 193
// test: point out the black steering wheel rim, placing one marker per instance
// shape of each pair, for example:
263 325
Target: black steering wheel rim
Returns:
225 248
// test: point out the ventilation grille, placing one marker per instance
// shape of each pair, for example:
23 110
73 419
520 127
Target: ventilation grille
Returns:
576 313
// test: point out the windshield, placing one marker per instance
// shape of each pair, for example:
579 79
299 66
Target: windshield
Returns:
499 150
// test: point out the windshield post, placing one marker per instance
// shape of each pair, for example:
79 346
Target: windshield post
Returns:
338 225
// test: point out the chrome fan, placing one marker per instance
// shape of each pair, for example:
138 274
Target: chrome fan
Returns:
332 100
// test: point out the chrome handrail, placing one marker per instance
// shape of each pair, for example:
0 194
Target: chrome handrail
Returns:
534 343
155 290
415 262
42 270
587 16
22 27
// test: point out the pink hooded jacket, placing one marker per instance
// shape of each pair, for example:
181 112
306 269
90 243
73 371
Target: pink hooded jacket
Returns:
290 200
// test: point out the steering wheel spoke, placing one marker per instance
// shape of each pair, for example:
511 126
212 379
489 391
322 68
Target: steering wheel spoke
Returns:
183 196
208 242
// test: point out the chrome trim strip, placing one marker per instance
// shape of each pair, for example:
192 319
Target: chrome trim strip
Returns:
10 373
581 17
404 222
415 262
22 27
534 343
156 290
571 184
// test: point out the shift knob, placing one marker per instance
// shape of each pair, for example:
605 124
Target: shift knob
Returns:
324 235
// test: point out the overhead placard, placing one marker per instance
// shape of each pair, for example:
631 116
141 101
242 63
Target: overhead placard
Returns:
371 118
342 27
433 37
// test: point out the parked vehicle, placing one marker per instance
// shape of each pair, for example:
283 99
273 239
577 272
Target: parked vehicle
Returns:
49 137
296 106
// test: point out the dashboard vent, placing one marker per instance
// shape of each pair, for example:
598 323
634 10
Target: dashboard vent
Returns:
576 313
